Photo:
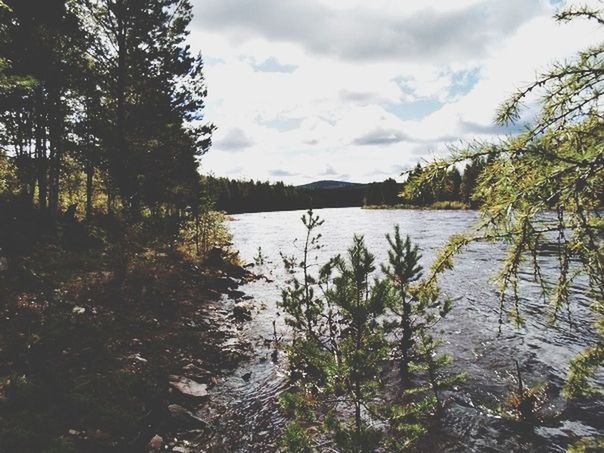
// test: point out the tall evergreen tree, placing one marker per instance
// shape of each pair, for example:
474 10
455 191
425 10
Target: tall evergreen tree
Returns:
154 91
469 179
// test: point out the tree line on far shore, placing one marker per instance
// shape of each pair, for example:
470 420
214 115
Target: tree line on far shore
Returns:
452 188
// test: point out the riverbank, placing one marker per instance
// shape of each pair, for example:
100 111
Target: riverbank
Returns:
103 350
438 205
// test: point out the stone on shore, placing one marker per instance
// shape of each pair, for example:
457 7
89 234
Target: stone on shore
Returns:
184 418
188 387
156 443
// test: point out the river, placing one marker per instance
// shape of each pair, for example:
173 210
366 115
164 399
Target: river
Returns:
250 420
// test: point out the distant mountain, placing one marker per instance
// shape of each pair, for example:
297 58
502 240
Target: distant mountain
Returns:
328 184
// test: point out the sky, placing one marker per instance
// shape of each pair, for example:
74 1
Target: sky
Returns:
304 90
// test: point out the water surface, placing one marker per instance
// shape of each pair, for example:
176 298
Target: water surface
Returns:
471 333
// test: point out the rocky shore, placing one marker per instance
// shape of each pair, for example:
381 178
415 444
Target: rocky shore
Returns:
95 361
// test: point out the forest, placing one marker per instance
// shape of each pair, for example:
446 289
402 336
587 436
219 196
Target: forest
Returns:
102 209
130 321
451 190
233 196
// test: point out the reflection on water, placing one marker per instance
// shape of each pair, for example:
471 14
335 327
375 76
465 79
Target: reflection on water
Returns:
252 421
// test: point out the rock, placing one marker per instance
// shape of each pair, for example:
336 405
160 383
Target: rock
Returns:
224 284
216 256
73 432
234 294
156 443
242 312
138 358
232 283
100 435
183 418
188 387
78 310
246 377
193 371
237 271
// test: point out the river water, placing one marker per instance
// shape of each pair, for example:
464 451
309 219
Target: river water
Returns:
250 420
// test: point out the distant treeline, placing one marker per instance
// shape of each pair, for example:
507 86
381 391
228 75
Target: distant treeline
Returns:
447 186
237 196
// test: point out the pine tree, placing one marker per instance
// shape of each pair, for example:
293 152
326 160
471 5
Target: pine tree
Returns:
469 180
342 320
555 166
154 91
403 270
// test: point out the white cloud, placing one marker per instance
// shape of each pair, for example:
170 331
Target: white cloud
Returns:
368 34
303 86
234 140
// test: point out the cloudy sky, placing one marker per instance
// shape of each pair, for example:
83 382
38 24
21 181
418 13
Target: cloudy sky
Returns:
302 90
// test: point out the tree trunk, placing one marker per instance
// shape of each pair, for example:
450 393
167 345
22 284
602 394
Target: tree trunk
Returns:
89 190
109 200
56 153
405 341
120 169
357 418
41 154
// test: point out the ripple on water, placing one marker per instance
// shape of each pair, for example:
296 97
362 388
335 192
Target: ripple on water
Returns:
252 422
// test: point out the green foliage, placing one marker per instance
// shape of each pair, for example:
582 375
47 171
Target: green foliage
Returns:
555 167
404 268
339 347
407 425
101 118
297 405
583 366
453 191
299 299
359 347
10 81
402 271
259 259
296 440
203 229
588 445
8 176
101 105
443 188
469 180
